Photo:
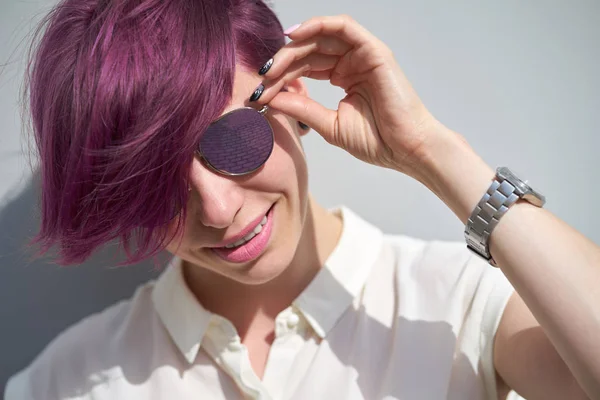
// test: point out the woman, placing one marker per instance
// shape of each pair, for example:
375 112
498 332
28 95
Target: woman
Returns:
150 119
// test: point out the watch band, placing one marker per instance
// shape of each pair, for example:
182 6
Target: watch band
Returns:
484 218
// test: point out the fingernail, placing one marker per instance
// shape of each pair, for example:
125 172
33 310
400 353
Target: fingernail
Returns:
303 125
257 92
265 68
291 29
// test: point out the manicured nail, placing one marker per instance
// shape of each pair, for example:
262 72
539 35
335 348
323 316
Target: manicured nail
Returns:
265 68
303 125
291 29
257 92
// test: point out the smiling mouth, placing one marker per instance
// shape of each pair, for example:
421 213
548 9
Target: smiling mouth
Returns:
250 233
253 244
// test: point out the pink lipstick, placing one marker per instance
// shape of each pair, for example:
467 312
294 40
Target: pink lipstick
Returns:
250 249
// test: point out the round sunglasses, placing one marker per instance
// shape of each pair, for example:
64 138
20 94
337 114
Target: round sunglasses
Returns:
238 143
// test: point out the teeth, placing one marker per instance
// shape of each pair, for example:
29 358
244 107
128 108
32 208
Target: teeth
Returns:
249 236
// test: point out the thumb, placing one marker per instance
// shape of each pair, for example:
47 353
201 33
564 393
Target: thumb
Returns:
302 108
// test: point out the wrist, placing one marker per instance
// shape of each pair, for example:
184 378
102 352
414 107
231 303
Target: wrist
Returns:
450 168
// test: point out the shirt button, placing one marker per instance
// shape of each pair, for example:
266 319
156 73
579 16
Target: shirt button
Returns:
235 345
292 321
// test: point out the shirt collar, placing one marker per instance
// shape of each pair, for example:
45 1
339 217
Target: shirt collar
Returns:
322 303
180 312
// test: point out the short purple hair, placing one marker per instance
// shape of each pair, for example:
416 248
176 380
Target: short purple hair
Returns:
119 92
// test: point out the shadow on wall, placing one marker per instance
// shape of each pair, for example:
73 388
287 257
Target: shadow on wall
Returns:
39 299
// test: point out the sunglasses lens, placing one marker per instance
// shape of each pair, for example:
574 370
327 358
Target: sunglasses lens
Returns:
238 143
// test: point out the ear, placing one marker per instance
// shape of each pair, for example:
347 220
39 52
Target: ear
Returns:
297 86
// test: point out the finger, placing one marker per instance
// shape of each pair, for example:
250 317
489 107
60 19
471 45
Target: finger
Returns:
342 26
318 75
294 51
312 63
305 109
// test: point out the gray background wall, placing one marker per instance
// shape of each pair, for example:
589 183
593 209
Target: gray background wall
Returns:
518 79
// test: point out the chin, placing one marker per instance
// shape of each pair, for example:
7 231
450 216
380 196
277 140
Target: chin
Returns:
265 269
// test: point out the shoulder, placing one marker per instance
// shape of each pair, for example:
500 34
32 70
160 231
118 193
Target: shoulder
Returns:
87 353
444 282
441 279
428 253
439 262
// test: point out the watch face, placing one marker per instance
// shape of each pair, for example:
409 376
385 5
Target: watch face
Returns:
518 174
514 179
521 187
522 182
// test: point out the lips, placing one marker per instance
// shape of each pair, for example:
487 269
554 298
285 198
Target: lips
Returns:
251 249
244 232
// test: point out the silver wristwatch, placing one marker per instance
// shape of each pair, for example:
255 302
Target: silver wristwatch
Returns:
504 191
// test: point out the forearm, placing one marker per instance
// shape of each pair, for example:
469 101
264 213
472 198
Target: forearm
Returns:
554 268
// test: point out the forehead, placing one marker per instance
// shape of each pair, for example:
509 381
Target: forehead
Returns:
244 84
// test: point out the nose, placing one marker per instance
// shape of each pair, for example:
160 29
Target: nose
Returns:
220 197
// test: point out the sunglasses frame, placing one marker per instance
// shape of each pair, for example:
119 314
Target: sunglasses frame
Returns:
262 112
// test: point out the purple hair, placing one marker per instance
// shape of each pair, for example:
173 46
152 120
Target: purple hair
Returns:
119 92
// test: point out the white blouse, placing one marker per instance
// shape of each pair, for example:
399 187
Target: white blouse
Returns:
387 317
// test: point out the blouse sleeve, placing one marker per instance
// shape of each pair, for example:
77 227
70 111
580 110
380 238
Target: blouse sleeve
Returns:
490 299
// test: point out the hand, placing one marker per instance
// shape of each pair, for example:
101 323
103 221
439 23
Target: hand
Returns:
381 120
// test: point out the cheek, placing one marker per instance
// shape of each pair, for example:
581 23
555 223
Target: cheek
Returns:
178 240
287 164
